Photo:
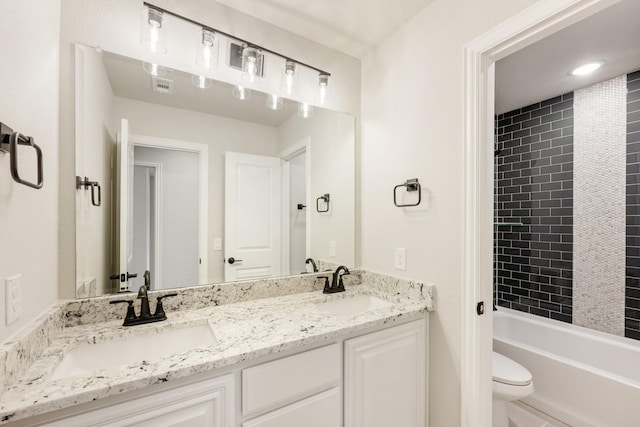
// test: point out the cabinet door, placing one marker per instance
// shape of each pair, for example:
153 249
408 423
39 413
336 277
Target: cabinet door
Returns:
385 378
321 410
207 403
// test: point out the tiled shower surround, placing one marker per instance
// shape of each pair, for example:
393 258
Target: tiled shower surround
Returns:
632 289
534 187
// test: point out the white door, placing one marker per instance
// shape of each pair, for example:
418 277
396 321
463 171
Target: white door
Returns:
253 216
125 211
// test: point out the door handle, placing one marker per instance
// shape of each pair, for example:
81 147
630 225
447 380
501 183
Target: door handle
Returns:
232 260
123 277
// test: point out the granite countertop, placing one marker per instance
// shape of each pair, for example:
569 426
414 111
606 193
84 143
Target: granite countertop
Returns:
244 330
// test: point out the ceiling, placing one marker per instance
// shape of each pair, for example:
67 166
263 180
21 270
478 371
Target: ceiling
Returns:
129 80
350 26
541 70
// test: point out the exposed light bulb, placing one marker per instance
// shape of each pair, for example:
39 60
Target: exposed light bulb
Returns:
274 102
241 93
251 64
290 78
201 81
323 82
154 69
207 50
153 30
305 110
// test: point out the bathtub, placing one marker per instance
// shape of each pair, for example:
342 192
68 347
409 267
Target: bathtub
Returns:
581 377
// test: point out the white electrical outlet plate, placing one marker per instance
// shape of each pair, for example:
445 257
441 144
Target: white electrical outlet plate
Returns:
332 248
13 298
217 244
400 259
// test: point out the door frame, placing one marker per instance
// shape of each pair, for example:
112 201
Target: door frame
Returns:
202 150
302 146
157 253
534 23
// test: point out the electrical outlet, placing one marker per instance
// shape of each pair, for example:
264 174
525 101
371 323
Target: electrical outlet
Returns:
13 298
400 259
217 244
332 248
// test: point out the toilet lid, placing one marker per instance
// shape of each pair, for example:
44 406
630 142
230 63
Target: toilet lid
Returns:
507 371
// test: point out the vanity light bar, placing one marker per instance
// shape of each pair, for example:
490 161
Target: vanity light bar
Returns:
248 43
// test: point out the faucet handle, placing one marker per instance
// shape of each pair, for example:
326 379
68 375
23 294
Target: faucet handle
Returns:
131 312
142 292
159 308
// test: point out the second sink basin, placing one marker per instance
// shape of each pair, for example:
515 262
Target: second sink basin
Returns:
350 306
87 358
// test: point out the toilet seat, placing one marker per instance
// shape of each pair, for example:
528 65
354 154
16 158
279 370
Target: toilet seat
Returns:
507 371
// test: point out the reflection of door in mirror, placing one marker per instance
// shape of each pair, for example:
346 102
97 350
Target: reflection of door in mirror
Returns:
253 225
161 216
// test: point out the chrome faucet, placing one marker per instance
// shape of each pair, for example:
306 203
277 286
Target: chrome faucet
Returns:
145 313
337 285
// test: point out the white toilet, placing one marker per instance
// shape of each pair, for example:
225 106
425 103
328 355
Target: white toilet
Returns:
511 381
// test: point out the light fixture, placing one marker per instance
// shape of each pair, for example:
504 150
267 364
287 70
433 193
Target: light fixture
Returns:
585 69
323 82
241 93
274 102
153 31
207 50
252 64
305 110
154 69
290 78
201 81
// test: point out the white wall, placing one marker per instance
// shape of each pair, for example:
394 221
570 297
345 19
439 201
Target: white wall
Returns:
95 139
412 127
114 25
332 158
29 90
219 133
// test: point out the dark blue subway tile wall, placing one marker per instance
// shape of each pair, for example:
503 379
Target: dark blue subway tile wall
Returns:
632 288
533 262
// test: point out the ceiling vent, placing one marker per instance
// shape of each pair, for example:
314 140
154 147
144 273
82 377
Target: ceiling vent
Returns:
162 85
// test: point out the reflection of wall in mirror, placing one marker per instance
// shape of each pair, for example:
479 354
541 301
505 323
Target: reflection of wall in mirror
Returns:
95 142
332 171
220 134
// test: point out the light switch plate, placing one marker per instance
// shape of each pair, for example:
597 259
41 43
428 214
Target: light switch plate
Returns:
13 298
217 244
400 259
332 248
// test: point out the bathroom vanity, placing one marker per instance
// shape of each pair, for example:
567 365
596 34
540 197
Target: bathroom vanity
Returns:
305 358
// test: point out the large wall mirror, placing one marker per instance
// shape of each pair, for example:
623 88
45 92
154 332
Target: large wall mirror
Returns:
197 186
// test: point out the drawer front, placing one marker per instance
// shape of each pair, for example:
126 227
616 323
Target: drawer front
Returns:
320 410
286 380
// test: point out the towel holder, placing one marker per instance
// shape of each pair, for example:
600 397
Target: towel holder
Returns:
93 184
325 197
411 185
9 141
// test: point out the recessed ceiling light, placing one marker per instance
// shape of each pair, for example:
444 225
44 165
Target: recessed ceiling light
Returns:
586 68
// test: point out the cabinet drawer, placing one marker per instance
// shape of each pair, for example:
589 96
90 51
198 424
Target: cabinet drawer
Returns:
291 378
320 410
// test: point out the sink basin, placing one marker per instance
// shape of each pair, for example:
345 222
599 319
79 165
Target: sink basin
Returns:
353 305
87 358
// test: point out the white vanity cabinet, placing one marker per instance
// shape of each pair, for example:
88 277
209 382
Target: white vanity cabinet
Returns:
369 380
208 403
384 378
288 386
